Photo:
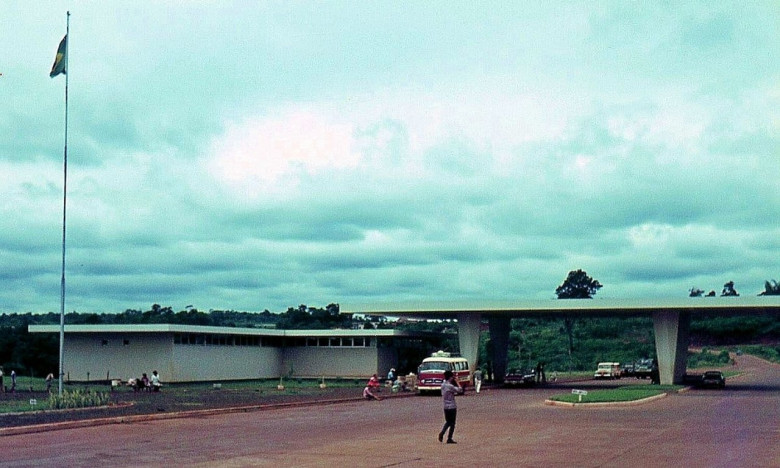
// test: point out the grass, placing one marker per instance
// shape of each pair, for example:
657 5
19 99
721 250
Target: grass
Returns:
23 405
83 394
291 385
770 353
620 394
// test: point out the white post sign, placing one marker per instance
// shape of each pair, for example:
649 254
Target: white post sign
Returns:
579 394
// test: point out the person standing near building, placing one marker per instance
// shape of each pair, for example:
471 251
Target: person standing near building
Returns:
156 381
449 388
478 379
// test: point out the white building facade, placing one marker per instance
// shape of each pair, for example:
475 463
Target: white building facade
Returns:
189 353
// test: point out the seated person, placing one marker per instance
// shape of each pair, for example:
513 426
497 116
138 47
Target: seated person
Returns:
400 385
369 395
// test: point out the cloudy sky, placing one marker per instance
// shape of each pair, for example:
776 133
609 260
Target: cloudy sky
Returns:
259 155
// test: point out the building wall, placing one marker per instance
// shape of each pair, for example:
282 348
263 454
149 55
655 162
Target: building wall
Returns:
316 361
197 362
95 356
101 356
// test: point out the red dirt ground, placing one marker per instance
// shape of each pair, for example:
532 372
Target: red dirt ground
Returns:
735 427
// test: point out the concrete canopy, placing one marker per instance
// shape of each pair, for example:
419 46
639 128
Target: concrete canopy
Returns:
671 319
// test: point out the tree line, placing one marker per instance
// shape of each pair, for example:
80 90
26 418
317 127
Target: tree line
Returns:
563 344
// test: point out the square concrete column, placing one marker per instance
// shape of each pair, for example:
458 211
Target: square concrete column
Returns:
671 344
499 339
468 337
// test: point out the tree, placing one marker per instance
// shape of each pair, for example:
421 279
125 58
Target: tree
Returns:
728 289
771 288
578 285
695 292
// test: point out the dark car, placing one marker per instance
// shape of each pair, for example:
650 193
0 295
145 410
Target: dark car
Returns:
643 369
520 377
713 379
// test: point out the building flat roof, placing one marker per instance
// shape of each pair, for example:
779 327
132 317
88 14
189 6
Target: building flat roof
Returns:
739 305
177 328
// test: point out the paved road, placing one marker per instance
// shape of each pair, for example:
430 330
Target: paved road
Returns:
735 427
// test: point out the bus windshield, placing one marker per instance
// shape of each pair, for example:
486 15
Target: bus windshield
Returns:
435 365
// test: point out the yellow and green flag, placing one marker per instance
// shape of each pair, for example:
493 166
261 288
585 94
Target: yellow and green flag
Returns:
61 59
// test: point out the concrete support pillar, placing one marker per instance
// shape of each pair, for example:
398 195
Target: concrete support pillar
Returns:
468 337
671 344
499 338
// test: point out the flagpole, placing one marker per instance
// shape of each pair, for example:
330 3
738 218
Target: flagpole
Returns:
64 206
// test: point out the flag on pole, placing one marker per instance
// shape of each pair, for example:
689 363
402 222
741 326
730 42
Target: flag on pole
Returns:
61 59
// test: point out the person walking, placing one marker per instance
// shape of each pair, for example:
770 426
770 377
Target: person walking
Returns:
449 388
478 379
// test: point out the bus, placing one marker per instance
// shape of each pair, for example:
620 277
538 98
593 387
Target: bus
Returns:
430 374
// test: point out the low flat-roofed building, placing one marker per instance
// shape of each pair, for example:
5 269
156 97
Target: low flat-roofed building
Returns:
189 353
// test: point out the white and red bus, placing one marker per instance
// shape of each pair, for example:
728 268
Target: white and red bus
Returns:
430 374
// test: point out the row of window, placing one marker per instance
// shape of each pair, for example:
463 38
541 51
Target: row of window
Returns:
272 341
225 340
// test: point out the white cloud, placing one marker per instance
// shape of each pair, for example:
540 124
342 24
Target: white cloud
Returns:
263 156
257 153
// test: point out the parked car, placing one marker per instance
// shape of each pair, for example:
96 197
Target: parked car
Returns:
643 369
627 369
713 379
607 370
520 377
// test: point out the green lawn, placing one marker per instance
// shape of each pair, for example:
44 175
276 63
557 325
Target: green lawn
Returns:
20 401
627 393
21 405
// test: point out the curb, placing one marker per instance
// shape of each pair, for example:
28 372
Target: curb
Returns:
614 403
605 403
20 430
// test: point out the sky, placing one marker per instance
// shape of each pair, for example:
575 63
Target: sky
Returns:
250 156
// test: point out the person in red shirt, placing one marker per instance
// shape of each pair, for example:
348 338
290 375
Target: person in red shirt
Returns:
373 382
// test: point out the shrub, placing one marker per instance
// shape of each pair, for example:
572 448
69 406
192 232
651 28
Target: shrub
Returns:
707 358
78 399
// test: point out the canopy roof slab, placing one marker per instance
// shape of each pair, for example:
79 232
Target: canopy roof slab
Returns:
671 319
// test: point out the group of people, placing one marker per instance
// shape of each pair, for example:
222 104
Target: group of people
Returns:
152 384
449 388
372 388
394 381
13 381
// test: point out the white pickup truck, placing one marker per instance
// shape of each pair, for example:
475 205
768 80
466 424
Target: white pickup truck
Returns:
607 370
